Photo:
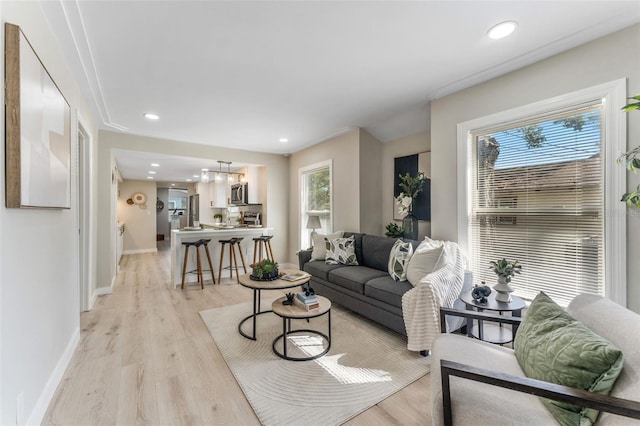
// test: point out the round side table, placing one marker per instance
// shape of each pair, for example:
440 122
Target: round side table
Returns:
289 312
492 333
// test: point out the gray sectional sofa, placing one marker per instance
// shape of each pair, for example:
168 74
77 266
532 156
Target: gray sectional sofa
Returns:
366 289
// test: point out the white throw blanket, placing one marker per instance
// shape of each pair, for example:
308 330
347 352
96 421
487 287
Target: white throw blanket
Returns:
420 305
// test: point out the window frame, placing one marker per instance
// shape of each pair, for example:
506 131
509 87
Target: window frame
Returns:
613 94
302 171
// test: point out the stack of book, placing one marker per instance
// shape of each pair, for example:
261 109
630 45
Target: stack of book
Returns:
308 303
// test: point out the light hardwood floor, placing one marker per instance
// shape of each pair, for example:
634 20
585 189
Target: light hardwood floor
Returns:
146 357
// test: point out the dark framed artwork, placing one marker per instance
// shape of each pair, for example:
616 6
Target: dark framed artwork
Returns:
37 130
413 164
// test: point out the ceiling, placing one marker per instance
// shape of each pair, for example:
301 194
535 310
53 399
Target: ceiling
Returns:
245 74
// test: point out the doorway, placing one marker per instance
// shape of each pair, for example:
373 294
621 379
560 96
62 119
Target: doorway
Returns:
84 218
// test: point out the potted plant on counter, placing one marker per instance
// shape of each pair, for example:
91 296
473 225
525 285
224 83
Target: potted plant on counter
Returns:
217 218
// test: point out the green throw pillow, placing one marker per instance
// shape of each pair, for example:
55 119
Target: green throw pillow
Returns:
552 346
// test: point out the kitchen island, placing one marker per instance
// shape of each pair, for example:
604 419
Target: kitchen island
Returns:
179 236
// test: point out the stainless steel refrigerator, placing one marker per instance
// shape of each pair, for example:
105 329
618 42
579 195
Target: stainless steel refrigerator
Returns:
193 209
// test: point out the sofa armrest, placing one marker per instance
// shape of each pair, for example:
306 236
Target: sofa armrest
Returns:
303 257
619 406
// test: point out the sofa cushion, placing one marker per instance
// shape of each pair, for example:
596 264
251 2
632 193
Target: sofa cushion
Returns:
387 290
476 403
552 346
321 269
341 251
354 277
375 251
319 248
426 259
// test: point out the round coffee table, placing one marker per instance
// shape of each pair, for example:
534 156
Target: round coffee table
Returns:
257 287
492 333
289 312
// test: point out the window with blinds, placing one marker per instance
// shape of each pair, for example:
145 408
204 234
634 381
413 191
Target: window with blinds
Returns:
537 197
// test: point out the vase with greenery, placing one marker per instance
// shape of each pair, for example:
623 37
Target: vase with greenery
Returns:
505 270
217 218
412 186
631 160
265 270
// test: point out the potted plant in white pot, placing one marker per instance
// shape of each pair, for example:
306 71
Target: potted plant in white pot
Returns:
504 269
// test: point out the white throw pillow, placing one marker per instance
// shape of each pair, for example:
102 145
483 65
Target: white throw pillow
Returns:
399 260
319 248
426 259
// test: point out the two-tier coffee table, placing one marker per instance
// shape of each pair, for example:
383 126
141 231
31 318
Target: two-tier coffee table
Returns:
289 312
257 287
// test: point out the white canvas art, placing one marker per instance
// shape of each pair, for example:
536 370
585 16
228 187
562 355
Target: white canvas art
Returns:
44 136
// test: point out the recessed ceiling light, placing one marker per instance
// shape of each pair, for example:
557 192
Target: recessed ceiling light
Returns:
188 180
173 184
196 176
502 29
283 140
155 165
151 116
151 172
149 177
204 170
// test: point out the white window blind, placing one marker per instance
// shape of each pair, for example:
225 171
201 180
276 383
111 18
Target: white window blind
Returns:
316 200
538 196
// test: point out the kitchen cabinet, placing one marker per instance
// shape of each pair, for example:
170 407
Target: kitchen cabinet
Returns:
219 193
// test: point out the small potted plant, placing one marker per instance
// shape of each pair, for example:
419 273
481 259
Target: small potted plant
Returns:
505 270
218 218
265 270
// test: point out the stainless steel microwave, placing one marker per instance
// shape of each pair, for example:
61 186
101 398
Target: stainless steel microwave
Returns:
239 194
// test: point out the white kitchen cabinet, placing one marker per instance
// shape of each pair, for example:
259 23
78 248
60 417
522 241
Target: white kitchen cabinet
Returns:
219 194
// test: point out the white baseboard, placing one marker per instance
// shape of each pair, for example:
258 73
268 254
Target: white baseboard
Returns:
151 250
101 291
44 400
93 300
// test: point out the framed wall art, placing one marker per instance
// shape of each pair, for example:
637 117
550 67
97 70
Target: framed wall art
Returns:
413 164
37 130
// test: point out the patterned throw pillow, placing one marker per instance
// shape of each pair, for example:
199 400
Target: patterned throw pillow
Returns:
399 260
341 251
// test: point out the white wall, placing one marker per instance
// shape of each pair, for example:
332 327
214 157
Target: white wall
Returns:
409 145
603 60
140 224
39 285
344 152
370 184
276 166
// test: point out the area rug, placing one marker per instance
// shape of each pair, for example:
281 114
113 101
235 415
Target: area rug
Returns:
366 364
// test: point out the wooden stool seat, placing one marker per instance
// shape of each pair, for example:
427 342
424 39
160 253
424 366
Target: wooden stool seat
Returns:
233 259
258 244
197 245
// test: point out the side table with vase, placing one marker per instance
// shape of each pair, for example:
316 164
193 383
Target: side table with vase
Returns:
492 333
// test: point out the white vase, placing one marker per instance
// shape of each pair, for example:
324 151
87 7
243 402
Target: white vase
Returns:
503 290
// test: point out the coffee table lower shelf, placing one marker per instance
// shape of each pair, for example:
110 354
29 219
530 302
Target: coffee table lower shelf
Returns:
287 313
